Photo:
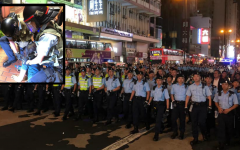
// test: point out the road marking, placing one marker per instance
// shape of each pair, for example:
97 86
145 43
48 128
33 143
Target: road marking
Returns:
127 139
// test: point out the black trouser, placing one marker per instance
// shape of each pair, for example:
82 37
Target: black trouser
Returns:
83 101
211 118
29 96
225 127
41 96
18 97
160 106
199 117
127 107
97 103
178 112
111 101
57 99
237 118
138 108
7 92
68 98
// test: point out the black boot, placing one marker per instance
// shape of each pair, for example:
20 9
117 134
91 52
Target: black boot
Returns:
181 137
147 126
30 110
37 113
221 146
108 122
135 130
173 136
4 108
12 109
194 141
56 114
128 126
156 136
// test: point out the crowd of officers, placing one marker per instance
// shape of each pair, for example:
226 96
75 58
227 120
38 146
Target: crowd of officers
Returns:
207 95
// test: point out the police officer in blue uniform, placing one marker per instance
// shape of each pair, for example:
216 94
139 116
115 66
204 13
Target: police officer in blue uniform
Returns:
226 101
69 87
178 96
112 86
141 91
127 88
160 97
210 116
84 86
199 108
7 90
151 80
29 96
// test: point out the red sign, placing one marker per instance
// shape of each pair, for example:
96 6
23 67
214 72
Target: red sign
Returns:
205 36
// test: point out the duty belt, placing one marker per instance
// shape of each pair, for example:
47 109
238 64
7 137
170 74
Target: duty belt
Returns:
84 91
159 103
127 94
199 103
67 90
179 102
139 97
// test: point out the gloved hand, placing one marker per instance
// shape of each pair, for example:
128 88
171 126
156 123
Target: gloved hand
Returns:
130 103
94 91
186 110
73 94
47 92
89 96
167 112
209 109
145 104
19 56
120 95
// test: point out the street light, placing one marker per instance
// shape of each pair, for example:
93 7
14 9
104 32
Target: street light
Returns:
222 31
230 31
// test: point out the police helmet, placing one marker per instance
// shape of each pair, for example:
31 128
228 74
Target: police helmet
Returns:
9 26
39 14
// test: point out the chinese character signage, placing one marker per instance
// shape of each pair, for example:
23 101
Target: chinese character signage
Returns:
73 15
96 7
96 10
204 36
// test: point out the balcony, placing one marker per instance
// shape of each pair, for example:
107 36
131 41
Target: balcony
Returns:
141 5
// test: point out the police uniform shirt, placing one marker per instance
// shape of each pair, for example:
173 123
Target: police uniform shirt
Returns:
179 92
237 92
225 101
198 93
159 95
128 85
151 83
141 89
110 84
73 80
89 81
45 42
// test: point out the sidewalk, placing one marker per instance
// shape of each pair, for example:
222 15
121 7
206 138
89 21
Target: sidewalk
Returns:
6 73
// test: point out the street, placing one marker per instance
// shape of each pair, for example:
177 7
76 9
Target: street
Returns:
21 130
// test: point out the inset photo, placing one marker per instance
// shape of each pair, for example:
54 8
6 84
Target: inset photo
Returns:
31 43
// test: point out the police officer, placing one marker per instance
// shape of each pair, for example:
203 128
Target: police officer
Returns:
29 96
141 91
56 99
159 94
17 104
7 89
41 95
151 80
199 107
41 20
70 87
178 96
88 71
112 86
225 101
15 31
210 116
97 91
127 88
84 85
124 75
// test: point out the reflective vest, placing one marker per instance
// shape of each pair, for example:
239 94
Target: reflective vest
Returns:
123 77
97 82
106 75
90 76
83 83
68 81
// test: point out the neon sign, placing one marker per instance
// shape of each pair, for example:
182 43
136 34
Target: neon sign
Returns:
204 36
96 7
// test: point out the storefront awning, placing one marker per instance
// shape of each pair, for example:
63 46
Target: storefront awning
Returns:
67 3
144 39
114 37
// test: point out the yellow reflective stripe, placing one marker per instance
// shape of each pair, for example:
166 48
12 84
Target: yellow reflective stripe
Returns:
83 83
68 81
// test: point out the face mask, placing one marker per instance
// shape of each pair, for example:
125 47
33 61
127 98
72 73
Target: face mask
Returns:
30 27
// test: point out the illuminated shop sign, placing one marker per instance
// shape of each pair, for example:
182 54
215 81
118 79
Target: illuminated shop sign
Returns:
96 7
203 36
116 32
